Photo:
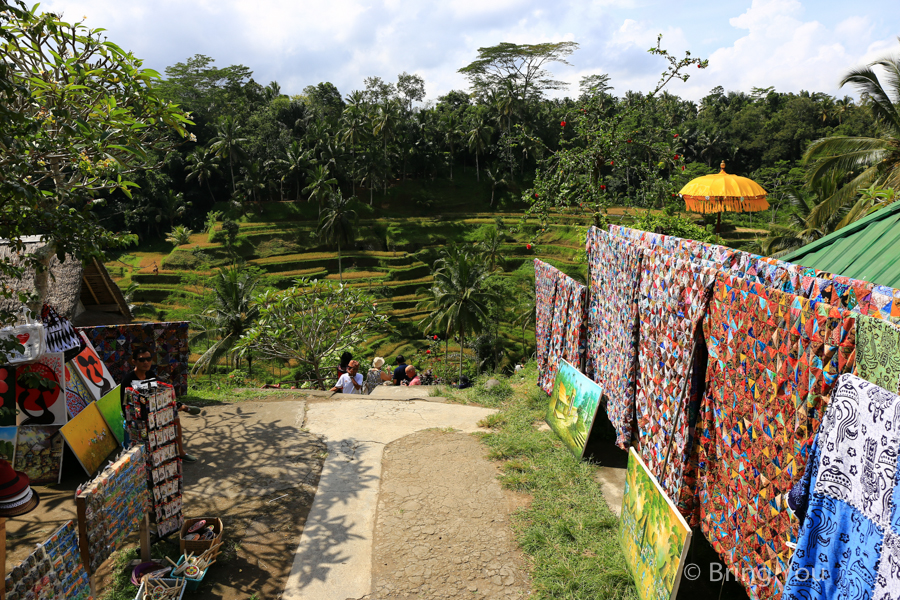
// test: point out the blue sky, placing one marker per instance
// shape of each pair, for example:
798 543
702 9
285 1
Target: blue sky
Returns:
789 44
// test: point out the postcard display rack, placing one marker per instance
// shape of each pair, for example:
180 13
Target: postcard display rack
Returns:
113 505
150 414
53 571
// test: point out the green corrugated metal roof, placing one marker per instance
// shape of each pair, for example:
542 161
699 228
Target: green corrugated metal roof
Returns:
868 249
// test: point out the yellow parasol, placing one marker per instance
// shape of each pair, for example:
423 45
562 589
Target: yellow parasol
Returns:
724 192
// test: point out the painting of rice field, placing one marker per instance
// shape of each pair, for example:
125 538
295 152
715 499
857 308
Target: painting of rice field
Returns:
654 536
573 406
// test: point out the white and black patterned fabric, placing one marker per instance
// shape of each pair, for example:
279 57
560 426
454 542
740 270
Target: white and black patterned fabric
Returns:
849 543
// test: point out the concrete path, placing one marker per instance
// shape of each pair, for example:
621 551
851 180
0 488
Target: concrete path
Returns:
334 558
402 392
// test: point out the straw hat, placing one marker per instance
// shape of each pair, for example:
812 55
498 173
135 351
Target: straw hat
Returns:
378 362
16 496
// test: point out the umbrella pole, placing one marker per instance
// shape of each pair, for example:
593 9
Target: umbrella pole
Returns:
718 223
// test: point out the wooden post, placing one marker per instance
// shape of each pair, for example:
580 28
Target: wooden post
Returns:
83 543
145 537
3 556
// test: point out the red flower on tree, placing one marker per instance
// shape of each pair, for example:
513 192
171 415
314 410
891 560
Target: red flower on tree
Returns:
602 187
528 246
610 163
677 157
435 337
676 135
428 352
562 123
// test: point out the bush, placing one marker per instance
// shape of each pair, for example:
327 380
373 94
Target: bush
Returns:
673 225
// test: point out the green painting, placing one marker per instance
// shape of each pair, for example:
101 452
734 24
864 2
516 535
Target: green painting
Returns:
653 534
573 406
110 407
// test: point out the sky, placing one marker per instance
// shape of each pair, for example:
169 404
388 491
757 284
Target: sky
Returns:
792 45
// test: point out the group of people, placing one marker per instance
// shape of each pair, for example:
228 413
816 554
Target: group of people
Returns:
351 381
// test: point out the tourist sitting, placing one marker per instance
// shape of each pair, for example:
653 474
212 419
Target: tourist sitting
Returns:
350 382
411 374
376 375
400 377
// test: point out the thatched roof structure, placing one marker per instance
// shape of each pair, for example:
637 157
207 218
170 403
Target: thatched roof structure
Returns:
83 293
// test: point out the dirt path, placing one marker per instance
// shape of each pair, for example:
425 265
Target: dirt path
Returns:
442 527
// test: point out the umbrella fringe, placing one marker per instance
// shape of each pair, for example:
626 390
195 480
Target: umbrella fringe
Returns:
713 204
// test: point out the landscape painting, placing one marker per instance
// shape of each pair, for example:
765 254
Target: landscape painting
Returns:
90 438
573 406
654 536
8 443
110 407
39 453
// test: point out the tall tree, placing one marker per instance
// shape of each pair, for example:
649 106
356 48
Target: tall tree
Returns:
521 66
231 313
228 144
411 88
79 117
203 167
337 224
867 161
461 301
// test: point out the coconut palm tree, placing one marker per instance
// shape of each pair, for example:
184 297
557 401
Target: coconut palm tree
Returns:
204 165
321 184
337 224
478 138
384 125
180 235
869 161
231 313
490 248
227 144
801 230
459 294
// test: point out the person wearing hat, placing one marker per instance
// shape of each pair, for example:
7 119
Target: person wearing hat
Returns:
16 495
376 375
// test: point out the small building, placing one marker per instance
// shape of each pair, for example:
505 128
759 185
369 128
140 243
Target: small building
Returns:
868 250
83 293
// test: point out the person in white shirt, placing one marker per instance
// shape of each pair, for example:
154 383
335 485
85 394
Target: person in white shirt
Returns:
350 382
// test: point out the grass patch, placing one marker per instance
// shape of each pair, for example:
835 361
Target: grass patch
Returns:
567 530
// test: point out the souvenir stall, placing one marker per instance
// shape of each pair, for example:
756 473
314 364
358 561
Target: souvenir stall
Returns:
59 391
718 367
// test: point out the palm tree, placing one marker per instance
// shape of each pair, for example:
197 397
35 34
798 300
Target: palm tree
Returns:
227 144
870 161
387 118
180 235
337 223
232 312
461 302
203 166
527 316
478 137
321 184
490 248
496 182
254 182
800 230
293 163
450 127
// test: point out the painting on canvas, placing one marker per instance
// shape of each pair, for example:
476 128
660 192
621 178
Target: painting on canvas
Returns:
92 371
7 396
573 406
90 438
653 534
8 443
110 407
39 453
40 391
77 396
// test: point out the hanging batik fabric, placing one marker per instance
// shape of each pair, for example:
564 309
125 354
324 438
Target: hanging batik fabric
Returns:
773 361
545 280
614 266
576 325
849 542
672 300
878 352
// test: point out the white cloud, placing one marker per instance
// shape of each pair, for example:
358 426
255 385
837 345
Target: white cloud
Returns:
771 42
